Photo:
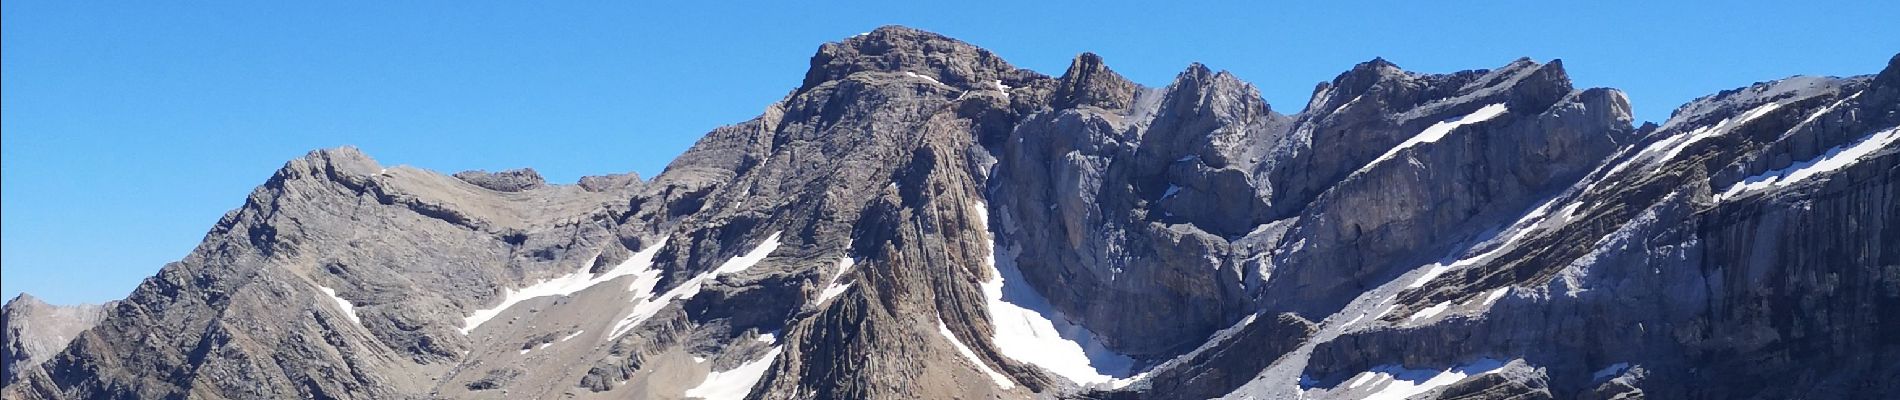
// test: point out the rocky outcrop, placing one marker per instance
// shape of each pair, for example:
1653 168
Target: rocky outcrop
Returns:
513 180
921 219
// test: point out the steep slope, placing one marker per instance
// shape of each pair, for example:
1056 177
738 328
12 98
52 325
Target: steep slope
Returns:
921 219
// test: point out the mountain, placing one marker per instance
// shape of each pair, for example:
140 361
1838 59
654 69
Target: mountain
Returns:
920 219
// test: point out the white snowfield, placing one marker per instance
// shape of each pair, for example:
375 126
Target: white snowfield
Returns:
1834 159
1001 381
349 309
648 305
1029 330
1439 130
640 263
736 383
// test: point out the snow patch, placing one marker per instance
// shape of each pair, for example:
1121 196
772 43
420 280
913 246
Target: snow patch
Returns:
1495 295
1001 380
349 309
1439 130
736 383
922 76
1029 330
640 264
1172 189
1834 159
648 305
571 336
834 288
1429 312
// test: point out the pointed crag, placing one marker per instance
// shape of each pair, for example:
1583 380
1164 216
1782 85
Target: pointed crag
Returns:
1089 82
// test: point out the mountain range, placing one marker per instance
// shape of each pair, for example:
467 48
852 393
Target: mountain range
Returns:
921 219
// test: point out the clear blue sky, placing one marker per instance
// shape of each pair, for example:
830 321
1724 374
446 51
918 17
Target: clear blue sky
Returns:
130 127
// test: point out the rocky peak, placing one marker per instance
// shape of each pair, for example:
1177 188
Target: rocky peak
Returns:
1204 114
1884 91
1537 86
1089 82
1353 83
345 164
1891 75
895 48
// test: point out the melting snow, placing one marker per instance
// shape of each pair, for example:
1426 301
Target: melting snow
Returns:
1030 331
1495 295
1394 382
924 77
1000 87
1429 312
1439 130
1001 381
640 264
1834 159
648 305
736 383
349 309
834 289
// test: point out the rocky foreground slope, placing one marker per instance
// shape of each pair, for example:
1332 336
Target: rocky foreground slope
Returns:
920 219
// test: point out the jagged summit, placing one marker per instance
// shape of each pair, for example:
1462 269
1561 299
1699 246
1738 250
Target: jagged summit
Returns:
920 219
901 49
1089 82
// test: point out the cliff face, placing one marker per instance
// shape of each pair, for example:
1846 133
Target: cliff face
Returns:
920 219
